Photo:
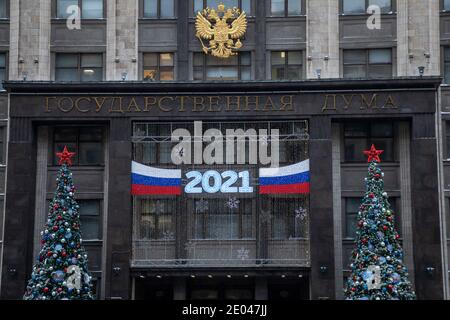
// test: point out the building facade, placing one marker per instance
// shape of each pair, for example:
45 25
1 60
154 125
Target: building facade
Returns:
114 90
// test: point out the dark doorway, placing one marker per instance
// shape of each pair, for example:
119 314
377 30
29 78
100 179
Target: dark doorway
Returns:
288 289
154 289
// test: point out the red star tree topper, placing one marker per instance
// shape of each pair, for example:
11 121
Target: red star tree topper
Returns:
65 157
373 154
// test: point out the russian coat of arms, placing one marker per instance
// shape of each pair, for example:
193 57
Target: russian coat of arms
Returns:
223 29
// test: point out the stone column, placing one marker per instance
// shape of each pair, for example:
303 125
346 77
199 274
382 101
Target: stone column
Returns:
122 39
182 54
40 212
119 220
18 237
426 210
260 35
322 48
321 208
404 141
337 210
30 39
418 35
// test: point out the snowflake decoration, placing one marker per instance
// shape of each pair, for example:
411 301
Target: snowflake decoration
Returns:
190 247
242 253
301 213
168 235
201 205
232 203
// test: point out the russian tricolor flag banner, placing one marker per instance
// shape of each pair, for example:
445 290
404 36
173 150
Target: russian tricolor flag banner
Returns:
148 180
293 179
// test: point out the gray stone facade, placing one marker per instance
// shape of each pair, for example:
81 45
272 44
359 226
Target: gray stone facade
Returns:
416 31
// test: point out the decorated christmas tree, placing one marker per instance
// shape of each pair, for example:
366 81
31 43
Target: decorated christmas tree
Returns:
378 272
61 272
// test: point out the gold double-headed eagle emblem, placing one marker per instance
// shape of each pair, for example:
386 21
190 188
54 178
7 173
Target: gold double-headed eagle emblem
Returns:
214 25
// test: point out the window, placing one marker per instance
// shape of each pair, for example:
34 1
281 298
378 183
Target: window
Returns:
217 221
2 69
282 8
359 136
159 9
244 5
373 63
207 67
86 142
2 144
287 221
79 67
3 9
447 221
287 65
447 65
158 67
90 219
360 6
447 133
156 219
89 9
351 216
151 151
446 5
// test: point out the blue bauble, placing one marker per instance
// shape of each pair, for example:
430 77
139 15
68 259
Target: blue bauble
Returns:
58 276
367 275
396 277
58 247
68 235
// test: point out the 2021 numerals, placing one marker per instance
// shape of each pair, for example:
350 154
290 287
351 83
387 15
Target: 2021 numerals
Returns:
215 182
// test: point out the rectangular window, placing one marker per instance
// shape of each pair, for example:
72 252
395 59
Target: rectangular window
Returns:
90 219
3 9
447 134
288 221
158 66
89 9
287 65
217 221
447 222
360 6
2 69
79 67
447 65
2 144
282 8
372 63
156 219
351 216
359 136
207 67
244 5
159 9
92 9
86 142
446 5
